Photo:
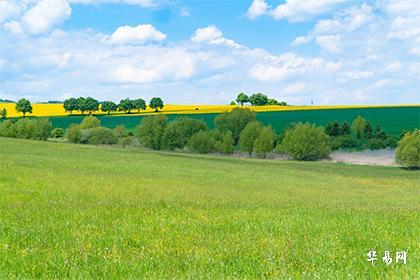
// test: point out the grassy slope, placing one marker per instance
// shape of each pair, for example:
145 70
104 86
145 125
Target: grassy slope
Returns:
82 211
393 120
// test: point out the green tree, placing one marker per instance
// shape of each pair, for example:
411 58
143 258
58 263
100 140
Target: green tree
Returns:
226 145
108 107
82 105
126 105
367 131
233 103
258 99
24 106
248 136
379 134
178 132
273 101
156 103
120 131
150 131
90 122
265 142
70 105
101 136
139 104
305 142
74 133
3 114
333 129
235 121
358 125
345 129
57 133
408 150
202 142
91 104
242 99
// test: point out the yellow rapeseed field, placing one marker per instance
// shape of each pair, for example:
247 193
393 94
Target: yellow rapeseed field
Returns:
46 110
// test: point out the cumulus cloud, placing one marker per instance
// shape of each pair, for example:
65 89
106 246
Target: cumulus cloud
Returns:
212 35
257 8
139 34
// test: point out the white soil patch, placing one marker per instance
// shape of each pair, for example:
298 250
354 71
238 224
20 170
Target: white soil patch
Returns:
384 157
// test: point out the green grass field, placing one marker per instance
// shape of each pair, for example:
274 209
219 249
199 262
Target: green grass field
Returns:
74 211
392 119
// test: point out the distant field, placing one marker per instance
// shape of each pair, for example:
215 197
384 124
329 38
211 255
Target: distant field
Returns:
392 119
74 211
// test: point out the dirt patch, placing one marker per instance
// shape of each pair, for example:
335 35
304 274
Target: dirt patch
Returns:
384 157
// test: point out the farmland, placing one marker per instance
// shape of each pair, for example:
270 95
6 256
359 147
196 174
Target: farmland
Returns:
71 211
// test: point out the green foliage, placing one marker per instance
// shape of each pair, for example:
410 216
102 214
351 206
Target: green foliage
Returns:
109 107
82 105
202 142
248 136
71 105
90 122
235 121
333 129
345 129
156 103
233 103
35 129
23 106
408 150
306 142
126 105
74 133
57 133
345 142
101 136
226 145
273 101
151 130
258 99
367 131
91 105
139 104
3 114
242 99
265 142
120 131
358 125
178 132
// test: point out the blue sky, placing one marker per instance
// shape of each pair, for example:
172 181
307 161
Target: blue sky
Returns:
331 51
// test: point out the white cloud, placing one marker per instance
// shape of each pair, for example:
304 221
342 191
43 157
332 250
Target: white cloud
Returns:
295 88
139 34
301 40
143 3
212 35
330 43
8 9
257 8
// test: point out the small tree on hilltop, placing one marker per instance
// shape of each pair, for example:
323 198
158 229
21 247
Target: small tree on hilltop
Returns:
3 114
408 150
108 107
265 142
70 105
24 106
258 99
248 136
139 104
156 103
242 99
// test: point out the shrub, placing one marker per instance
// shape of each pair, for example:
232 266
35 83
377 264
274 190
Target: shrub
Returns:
235 121
35 129
333 129
57 133
90 122
226 145
358 125
376 144
408 150
126 141
265 142
150 131
178 132
8 129
3 114
202 142
74 133
248 136
305 142
345 129
120 131
101 136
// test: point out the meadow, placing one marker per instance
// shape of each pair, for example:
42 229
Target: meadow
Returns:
73 211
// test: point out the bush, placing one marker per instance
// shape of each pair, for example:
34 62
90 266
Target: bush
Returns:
74 133
120 131
333 129
408 150
235 121
35 129
126 141
7 129
90 122
226 145
376 144
179 132
248 136
358 125
101 136
202 142
265 142
57 133
305 142
150 131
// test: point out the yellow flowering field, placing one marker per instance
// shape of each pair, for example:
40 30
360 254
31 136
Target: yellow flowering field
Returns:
46 110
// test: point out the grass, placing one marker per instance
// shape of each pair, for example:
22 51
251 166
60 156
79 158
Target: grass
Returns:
73 211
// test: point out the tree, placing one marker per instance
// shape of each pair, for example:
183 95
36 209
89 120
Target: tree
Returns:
150 131
379 134
242 99
265 142
202 142
82 105
232 103
57 133
408 150
156 103
273 101
248 136
367 131
305 142
358 125
126 105
3 114
333 129
74 133
70 105
90 122
226 145
234 121
101 136
91 104
345 129
178 132
24 106
139 104
108 107
258 99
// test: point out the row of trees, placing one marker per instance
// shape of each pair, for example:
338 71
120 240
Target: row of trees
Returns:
257 99
127 105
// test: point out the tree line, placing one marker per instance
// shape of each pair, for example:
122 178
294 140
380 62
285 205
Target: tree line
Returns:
257 99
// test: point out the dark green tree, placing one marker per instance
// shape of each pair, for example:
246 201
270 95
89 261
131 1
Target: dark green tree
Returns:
258 99
333 129
242 99
70 105
345 129
91 104
3 114
109 107
178 132
139 104
24 106
265 142
273 101
234 121
82 105
156 103
126 105
248 136
367 131
379 134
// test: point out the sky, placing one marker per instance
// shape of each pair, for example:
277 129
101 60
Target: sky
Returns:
207 51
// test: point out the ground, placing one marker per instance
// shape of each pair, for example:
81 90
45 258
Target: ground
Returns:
74 211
